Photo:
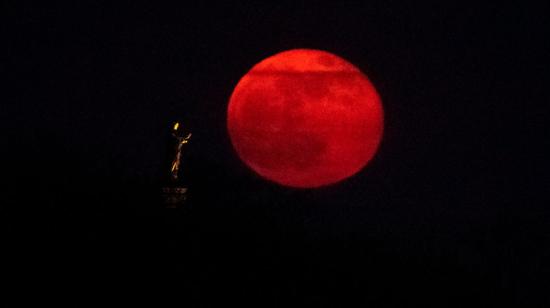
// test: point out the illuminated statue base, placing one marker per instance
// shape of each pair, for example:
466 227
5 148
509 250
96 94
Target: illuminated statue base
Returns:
174 197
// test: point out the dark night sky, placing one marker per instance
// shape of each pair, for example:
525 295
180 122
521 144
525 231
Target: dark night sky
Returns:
445 213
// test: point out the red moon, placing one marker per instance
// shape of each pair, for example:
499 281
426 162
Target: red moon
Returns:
305 118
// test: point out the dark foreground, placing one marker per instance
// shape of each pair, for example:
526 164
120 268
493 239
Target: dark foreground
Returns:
293 248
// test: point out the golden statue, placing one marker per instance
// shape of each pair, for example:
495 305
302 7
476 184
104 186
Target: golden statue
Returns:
181 139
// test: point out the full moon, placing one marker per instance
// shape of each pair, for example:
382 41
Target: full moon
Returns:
305 118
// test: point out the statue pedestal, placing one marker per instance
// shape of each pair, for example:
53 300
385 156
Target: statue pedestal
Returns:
174 197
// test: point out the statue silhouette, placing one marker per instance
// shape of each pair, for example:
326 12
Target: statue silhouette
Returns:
181 139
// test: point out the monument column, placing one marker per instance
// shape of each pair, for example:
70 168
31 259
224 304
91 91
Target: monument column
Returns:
174 193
